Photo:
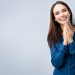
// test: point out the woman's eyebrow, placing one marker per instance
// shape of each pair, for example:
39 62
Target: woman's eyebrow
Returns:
61 10
64 9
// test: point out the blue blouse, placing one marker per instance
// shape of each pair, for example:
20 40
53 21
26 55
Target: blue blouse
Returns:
63 58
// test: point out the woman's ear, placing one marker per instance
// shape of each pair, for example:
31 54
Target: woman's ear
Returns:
69 14
74 28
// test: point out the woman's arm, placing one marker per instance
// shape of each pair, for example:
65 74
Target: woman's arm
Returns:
72 45
58 55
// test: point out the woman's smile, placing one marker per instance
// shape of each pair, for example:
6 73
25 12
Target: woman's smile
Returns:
63 18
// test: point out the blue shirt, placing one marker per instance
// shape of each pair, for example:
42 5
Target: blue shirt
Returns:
63 58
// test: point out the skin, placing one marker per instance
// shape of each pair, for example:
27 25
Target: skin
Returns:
62 16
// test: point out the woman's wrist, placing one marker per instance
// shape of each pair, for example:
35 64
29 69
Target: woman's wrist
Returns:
65 42
70 41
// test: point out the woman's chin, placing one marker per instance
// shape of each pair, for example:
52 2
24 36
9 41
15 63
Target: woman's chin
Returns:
63 22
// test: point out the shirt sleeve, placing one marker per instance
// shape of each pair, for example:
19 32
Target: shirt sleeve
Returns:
72 46
58 55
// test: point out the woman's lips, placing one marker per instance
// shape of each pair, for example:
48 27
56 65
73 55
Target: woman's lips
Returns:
63 18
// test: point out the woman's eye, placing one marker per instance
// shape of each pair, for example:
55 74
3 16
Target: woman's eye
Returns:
64 10
56 13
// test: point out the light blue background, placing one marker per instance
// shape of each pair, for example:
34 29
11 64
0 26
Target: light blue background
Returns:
23 36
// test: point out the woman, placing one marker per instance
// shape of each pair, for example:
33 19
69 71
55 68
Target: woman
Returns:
61 39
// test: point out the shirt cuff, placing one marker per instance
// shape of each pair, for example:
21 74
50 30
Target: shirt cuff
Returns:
64 49
71 41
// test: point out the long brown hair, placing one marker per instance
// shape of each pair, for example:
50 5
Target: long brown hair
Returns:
55 31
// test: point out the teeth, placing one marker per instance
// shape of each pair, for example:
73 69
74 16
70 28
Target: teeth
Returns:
62 19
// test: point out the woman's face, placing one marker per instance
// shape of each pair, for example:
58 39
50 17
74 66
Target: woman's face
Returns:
61 13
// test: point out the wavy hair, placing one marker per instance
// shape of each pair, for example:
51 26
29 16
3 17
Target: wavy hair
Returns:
55 31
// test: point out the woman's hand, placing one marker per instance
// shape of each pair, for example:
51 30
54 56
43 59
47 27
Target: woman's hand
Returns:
68 32
65 35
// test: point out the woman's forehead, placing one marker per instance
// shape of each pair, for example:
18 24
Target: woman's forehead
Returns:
59 7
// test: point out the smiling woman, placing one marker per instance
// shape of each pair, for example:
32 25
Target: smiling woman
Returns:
61 39
61 13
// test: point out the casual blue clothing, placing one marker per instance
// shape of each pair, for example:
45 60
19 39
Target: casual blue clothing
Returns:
63 58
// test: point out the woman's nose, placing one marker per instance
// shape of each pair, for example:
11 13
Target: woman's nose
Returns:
61 14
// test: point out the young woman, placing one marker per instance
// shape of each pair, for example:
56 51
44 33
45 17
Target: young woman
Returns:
61 39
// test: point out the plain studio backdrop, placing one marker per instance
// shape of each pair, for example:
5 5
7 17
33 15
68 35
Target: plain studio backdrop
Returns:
23 36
